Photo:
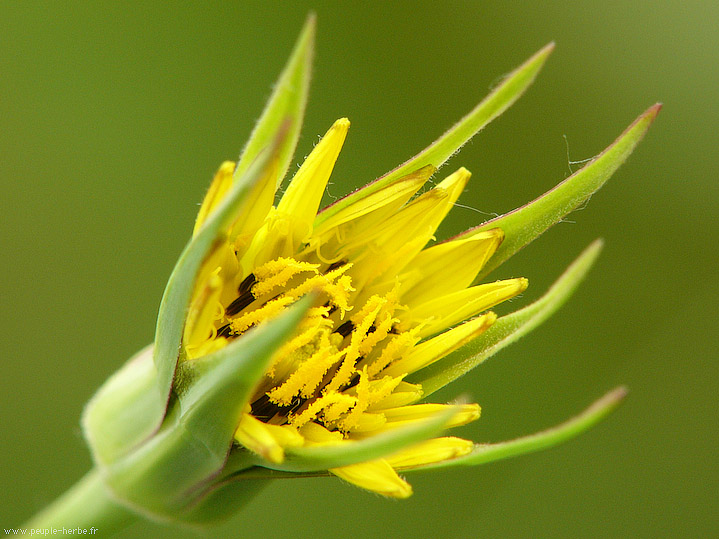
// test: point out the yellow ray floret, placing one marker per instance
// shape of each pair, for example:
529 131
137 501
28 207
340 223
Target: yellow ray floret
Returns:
436 348
302 198
268 441
377 475
447 267
204 309
352 221
405 415
445 311
404 394
219 187
288 225
430 452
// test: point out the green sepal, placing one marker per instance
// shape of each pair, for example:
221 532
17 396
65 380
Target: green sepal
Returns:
507 329
163 476
484 453
123 411
522 225
175 301
437 153
222 382
286 104
322 457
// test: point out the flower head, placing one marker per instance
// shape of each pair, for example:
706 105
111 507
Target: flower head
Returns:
293 340
385 306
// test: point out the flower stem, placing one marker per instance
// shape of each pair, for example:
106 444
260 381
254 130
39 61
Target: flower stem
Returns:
86 505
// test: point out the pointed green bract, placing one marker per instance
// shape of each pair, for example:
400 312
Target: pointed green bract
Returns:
319 458
173 308
278 128
285 108
506 329
499 100
523 225
484 453
222 382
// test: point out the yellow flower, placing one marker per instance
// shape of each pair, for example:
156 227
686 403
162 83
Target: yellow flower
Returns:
387 302
292 341
386 306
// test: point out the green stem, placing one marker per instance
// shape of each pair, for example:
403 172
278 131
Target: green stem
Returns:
87 505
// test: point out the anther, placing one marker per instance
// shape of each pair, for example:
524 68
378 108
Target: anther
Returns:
345 329
263 409
240 303
331 308
224 331
335 265
246 284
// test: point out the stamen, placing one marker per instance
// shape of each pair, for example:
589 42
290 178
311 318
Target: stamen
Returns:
271 309
335 265
240 304
246 284
345 329
225 331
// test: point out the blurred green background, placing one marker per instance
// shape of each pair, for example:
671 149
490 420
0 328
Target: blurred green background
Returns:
116 115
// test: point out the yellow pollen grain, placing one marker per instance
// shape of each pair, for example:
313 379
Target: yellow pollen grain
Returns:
362 390
334 412
379 334
318 282
307 377
270 309
318 406
396 348
278 272
366 318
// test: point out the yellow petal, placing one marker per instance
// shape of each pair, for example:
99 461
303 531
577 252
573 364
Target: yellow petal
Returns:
351 223
404 394
268 441
256 208
221 183
436 348
377 476
445 311
288 225
304 193
316 434
204 309
404 415
390 245
447 267
430 452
